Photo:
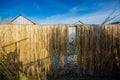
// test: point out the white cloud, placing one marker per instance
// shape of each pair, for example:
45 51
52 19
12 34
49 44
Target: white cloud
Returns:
101 12
74 9
70 18
74 15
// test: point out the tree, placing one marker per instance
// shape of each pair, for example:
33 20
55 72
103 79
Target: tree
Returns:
111 17
8 21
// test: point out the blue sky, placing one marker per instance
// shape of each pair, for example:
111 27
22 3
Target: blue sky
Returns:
59 11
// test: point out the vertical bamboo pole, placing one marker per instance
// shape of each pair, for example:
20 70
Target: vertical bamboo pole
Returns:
91 70
82 49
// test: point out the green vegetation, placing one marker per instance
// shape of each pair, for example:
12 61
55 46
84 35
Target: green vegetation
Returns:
6 70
